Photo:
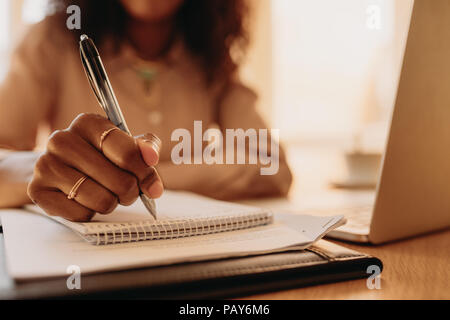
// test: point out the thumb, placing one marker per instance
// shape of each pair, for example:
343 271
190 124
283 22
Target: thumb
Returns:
150 146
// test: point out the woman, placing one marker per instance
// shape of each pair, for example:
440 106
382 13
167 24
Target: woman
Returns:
170 64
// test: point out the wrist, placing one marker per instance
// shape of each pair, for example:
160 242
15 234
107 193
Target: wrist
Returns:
16 171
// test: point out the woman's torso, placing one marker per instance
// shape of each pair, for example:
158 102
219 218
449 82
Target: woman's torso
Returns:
175 98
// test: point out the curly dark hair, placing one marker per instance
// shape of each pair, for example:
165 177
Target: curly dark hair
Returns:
211 29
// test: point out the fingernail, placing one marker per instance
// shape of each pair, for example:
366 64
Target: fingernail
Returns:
156 189
150 156
152 140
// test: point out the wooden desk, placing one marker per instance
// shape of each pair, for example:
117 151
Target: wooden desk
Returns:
417 268
413 269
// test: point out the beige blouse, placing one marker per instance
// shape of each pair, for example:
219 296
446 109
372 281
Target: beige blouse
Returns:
46 86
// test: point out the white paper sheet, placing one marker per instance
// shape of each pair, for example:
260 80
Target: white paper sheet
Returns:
37 247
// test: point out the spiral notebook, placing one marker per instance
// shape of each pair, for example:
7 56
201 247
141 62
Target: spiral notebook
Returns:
180 214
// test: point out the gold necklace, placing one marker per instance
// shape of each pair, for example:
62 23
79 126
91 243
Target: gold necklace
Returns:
148 73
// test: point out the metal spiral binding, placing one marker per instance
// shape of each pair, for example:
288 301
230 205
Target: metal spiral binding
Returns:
116 233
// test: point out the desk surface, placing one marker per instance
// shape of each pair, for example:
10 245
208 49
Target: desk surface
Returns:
413 269
416 268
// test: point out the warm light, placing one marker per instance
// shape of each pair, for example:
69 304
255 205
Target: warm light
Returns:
336 65
34 11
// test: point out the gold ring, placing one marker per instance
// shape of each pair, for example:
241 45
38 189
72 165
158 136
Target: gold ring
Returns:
105 135
73 193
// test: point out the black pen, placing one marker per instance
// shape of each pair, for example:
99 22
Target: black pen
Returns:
103 90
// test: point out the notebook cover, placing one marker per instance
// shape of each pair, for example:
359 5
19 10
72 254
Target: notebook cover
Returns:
323 263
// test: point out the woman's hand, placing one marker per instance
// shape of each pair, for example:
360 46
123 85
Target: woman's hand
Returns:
114 164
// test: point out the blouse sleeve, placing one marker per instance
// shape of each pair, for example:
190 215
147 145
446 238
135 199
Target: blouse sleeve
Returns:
28 90
236 110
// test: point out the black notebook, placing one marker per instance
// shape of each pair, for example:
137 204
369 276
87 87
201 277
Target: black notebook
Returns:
323 262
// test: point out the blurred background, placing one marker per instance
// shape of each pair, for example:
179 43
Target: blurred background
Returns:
326 72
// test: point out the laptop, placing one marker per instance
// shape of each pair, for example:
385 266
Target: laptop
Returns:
413 192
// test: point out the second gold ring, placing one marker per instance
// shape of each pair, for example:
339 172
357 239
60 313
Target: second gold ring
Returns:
73 193
105 135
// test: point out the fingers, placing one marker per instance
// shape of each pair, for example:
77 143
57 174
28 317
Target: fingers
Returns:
72 150
122 150
93 166
91 127
152 186
55 203
150 146
89 193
